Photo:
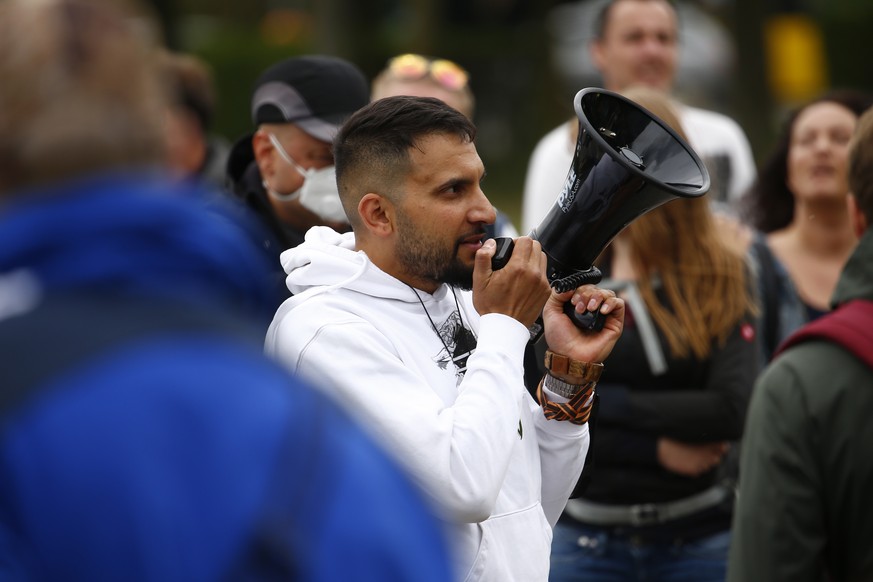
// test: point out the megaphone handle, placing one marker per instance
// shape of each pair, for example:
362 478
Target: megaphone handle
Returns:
504 250
588 321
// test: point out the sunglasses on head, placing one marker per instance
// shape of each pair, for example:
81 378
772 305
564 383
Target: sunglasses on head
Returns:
411 67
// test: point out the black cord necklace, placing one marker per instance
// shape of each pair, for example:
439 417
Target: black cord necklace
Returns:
433 325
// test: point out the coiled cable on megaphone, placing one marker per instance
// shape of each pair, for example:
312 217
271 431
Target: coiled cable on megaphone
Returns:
627 162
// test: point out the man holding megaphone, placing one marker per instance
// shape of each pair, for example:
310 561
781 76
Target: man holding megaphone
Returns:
405 322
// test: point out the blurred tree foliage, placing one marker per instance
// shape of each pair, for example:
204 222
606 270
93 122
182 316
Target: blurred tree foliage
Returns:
501 43
504 45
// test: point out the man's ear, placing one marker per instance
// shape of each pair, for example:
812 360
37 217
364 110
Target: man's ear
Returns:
378 214
859 221
263 148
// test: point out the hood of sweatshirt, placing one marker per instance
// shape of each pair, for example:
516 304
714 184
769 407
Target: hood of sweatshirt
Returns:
328 260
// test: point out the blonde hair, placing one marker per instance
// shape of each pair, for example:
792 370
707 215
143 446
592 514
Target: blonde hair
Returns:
386 84
80 92
678 246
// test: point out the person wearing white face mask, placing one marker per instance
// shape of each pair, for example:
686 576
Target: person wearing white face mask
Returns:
319 192
283 172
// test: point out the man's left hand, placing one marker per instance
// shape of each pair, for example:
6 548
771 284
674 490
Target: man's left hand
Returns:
562 335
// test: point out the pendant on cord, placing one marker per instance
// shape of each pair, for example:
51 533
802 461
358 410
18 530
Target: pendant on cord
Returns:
459 343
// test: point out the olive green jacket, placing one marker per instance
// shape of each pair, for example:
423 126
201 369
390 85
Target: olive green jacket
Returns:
805 507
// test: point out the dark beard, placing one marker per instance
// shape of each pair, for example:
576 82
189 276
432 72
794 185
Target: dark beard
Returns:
458 275
436 266
427 260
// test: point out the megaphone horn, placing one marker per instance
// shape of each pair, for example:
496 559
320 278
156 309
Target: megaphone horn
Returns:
627 162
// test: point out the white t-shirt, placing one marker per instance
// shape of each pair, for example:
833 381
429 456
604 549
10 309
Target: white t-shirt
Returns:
717 139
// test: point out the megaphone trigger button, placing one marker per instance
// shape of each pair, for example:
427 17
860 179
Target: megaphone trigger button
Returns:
632 156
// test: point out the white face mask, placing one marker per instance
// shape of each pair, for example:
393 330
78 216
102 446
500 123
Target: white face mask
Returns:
321 196
319 193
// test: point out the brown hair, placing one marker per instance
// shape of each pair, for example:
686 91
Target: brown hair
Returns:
384 86
768 205
861 165
190 84
677 245
79 92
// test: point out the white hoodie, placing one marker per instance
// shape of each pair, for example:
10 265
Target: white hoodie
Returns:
477 443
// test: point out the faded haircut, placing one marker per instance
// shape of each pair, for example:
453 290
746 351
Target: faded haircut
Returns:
371 151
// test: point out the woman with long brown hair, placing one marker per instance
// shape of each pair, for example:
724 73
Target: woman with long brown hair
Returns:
656 508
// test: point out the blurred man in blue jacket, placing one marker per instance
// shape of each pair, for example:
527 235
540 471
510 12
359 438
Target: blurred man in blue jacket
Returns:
143 433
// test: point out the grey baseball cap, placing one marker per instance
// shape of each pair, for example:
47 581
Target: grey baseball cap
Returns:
317 93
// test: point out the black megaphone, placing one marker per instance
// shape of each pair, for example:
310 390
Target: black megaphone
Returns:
627 162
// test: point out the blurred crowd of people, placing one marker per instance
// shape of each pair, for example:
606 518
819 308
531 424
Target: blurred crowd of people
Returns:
291 357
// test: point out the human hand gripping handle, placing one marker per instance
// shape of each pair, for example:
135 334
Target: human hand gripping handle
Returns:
589 320
577 351
519 289
562 311
566 338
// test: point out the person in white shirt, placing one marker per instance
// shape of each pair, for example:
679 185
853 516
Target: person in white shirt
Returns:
636 43
406 324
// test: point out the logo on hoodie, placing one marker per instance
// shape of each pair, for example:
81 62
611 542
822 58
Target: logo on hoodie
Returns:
460 343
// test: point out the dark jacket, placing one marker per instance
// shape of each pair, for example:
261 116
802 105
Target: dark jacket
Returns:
782 311
807 469
689 400
143 433
246 185
278 235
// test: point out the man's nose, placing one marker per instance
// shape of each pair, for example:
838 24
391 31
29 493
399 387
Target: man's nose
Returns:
482 210
654 46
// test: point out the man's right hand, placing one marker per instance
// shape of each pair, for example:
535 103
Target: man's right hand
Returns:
520 289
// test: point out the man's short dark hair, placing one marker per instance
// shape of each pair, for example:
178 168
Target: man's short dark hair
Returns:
371 151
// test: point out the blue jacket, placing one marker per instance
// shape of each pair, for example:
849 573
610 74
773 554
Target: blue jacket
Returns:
143 434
